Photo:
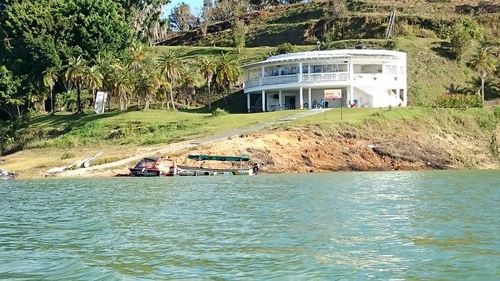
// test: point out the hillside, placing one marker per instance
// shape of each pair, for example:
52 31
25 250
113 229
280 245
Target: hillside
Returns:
422 29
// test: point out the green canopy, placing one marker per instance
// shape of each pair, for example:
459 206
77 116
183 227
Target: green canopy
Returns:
203 157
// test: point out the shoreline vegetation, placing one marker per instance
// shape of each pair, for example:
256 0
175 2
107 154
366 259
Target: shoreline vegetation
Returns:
178 80
367 140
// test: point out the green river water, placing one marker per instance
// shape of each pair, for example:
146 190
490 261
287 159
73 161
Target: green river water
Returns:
442 225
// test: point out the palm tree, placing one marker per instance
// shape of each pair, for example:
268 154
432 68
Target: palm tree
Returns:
163 93
191 79
121 84
171 68
93 80
75 76
146 86
228 72
208 67
484 64
49 80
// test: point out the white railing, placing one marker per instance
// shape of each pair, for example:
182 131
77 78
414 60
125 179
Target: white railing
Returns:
252 83
286 79
320 77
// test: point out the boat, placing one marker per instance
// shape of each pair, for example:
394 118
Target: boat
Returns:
158 166
150 167
200 171
5 175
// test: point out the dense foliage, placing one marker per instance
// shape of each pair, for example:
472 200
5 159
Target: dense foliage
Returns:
40 35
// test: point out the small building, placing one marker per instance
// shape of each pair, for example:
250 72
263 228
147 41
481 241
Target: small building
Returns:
327 79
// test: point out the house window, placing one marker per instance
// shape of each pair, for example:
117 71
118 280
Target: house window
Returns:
289 69
367 68
328 68
305 69
271 71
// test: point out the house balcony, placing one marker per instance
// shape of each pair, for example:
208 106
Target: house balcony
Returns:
297 78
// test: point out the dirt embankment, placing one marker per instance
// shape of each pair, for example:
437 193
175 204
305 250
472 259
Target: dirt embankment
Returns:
395 145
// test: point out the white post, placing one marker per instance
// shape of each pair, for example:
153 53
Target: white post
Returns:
280 99
261 76
263 100
301 98
300 72
351 70
248 102
351 95
309 103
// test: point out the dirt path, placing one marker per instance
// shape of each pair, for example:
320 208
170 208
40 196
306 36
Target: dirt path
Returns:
189 144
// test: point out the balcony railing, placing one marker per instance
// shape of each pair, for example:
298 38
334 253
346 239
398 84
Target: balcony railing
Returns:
286 79
321 77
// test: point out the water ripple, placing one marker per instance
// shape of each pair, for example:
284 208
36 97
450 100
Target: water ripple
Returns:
409 225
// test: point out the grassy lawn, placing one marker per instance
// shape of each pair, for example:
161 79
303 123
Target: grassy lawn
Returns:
65 138
136 128
358 115
246 55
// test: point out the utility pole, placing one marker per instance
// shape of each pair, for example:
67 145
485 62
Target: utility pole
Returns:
390 25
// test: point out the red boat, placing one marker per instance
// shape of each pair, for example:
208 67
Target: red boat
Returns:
151 167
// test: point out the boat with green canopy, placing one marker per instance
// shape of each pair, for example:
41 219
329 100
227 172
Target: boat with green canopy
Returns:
202 171
205 157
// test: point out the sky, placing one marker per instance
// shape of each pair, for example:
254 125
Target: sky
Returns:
194 4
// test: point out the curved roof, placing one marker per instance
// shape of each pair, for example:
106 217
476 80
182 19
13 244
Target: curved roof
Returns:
314 55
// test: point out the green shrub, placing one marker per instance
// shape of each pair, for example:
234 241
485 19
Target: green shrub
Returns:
67 155
284 48
219 112
391 45
459 101
496 111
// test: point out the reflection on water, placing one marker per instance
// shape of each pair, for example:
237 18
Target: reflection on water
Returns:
413 225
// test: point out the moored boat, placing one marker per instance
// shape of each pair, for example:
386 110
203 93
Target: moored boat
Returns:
201 171
5 175
150 167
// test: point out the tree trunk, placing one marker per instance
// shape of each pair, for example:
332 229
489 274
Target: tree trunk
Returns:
209 97
78 99
172 97
482 87
146 103
51 102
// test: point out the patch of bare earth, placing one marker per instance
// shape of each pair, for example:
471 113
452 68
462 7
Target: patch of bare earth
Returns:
407 146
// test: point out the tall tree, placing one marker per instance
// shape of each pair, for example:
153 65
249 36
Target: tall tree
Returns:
181 18
484 64
93 80
190 81
208 66
75 77
171 68
146 86
228 72
49 80
464 34
239 31
9 97
39 35
206 15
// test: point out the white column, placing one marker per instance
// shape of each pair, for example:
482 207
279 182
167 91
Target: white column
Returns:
280 99
301 98
300 72
309 103
248 102
351 95
261 76
351 70
263 100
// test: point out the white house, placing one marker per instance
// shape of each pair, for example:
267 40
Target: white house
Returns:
362 78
